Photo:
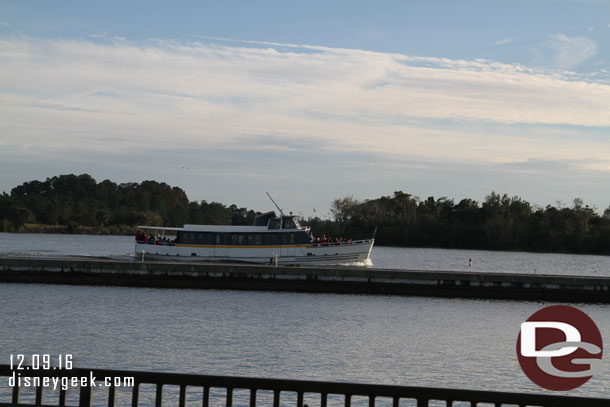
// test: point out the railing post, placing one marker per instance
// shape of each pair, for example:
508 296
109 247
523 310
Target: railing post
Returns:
135 393
182 401
62 398
252 397
300 399
111 395
229 397
15 400
39 396
323 399
85 398
276 398
159 395
206 396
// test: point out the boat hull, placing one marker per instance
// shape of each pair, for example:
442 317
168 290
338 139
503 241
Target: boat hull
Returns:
343 253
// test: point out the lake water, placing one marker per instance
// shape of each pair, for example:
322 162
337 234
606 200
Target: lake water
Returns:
455 343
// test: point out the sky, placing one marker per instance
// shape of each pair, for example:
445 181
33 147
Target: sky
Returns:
311 101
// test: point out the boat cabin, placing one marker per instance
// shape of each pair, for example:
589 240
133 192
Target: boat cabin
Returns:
268 230
274 222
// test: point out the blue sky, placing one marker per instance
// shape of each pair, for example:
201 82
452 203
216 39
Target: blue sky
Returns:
311 101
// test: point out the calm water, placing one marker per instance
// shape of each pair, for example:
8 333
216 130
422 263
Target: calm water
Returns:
375 339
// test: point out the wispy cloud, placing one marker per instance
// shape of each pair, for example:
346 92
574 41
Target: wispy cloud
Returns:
74 94
504 41
571 51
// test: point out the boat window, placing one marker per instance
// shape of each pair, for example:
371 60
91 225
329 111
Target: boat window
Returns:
223 238
204 238
238 239
189 237
255 239
289 223
270 239
274 223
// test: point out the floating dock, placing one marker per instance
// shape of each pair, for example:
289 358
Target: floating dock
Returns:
345 280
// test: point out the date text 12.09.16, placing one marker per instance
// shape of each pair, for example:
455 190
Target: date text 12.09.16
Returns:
41 361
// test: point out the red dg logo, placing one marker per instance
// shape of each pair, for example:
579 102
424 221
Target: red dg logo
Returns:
559 348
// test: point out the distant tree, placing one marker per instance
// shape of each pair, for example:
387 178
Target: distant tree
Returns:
19 215
343 209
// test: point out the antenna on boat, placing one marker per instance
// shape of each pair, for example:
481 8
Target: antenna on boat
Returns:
278 208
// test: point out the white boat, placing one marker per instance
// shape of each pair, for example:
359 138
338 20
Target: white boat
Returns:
272 239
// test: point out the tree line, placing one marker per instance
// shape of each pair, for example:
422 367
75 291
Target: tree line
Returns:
500 222
78 204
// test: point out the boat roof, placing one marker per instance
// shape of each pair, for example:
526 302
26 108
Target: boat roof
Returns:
261 222
159 228
224 228
263 218
217 228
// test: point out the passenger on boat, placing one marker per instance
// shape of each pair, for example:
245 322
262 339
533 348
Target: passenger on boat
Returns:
324 240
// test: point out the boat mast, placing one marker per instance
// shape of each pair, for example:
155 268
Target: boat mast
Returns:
278 208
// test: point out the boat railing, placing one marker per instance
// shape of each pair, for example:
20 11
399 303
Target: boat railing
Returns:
343 243
156 242
160 242
158 388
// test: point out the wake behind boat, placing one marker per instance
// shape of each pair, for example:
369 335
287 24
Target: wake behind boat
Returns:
271 239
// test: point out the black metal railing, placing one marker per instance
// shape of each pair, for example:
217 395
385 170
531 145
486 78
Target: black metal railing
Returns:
300 392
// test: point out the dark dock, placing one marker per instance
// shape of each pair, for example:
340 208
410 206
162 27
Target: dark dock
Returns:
346 280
